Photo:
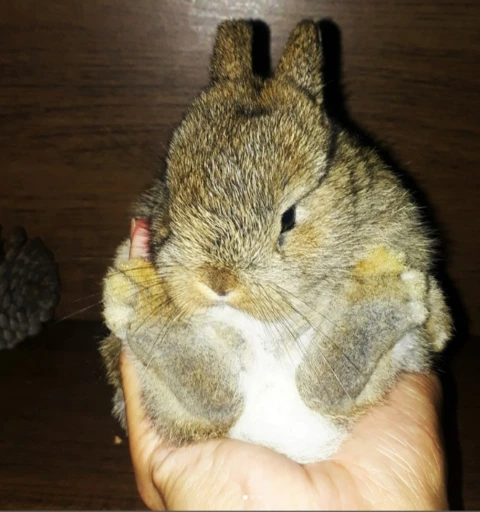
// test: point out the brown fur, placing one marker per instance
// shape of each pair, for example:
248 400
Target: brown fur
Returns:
248 150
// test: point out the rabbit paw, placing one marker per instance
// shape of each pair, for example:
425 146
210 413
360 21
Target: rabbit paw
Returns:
382 304
416 292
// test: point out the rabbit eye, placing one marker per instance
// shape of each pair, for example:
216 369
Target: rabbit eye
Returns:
288 220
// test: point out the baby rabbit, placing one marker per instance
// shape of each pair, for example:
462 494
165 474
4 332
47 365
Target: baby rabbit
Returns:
286 274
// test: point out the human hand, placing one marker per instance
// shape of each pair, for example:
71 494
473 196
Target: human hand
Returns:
393 460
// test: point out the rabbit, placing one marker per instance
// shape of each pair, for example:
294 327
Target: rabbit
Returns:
286 277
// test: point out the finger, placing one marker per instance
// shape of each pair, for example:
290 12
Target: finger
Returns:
143 440
225 474
139 238
414 401
414 390
400 441
420 399
218 474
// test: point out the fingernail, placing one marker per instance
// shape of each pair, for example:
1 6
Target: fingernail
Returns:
140 239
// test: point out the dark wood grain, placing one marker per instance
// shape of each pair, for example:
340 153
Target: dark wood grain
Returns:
90 91
57 444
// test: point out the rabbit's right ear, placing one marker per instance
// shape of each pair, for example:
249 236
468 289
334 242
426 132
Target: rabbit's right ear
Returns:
232 52
302 60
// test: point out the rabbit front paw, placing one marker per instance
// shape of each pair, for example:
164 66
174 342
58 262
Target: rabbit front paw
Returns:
377 311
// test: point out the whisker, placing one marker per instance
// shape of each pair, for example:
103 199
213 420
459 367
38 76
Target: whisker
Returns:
317 329
174 319
151 286
87 296
321 352
154 311
274 326
77 312
296 340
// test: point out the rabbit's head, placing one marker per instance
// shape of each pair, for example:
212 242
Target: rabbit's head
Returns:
261 192
226 220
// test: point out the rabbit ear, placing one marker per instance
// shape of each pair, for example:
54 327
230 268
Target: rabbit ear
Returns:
232 52
302 59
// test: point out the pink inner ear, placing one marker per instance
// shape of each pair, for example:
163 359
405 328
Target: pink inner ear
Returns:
140 239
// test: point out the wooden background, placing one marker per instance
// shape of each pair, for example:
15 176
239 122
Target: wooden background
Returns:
90 91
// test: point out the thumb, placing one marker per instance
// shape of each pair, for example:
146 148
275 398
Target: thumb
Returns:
217 474
175 478
143 440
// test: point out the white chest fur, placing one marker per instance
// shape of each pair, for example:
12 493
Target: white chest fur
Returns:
274 414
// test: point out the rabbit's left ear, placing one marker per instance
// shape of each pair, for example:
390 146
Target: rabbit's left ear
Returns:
302 60
232 52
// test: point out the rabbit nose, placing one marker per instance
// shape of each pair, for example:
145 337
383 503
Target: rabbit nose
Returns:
220 290
220 280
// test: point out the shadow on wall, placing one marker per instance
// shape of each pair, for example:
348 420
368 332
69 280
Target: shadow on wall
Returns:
336 107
